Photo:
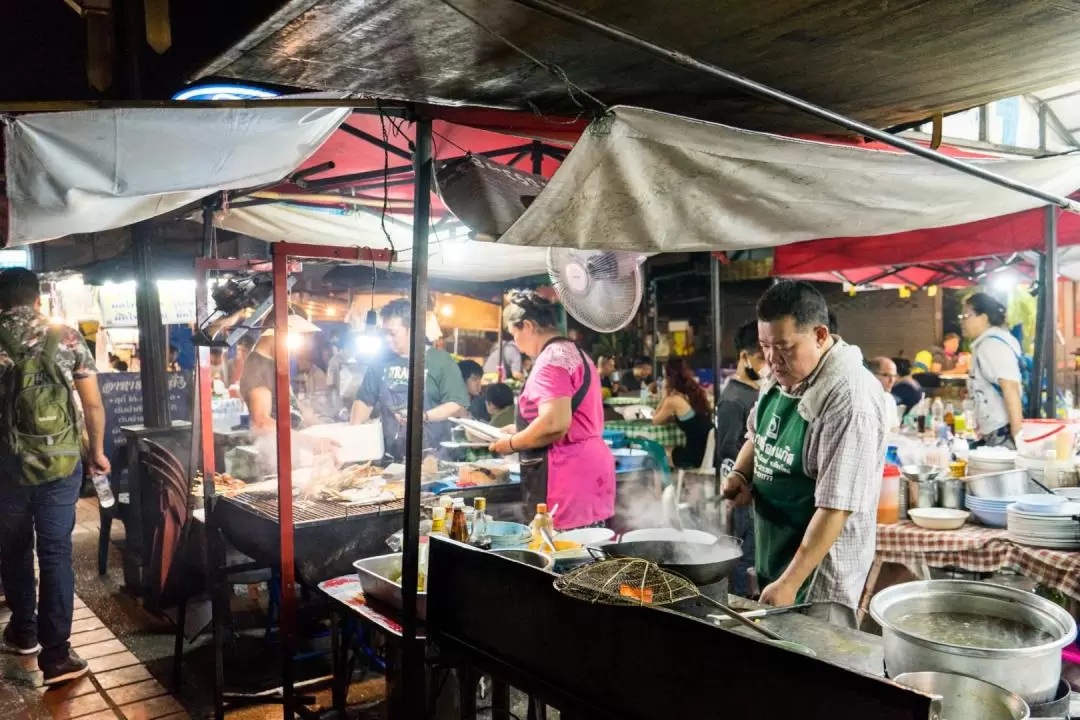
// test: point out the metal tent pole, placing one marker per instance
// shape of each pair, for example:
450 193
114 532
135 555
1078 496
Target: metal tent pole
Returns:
654 311
153 343
755 88
283 418
717 329
412 678
1034 403
1050 232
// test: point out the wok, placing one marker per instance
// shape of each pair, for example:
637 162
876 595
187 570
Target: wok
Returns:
700 564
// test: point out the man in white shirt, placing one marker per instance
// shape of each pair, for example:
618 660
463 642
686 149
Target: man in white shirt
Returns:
884 370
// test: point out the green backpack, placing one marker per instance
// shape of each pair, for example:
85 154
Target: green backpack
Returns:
39 430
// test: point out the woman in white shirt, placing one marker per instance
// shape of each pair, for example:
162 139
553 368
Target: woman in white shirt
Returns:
994 377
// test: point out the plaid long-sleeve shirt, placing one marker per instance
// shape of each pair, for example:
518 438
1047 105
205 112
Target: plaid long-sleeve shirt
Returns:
844 453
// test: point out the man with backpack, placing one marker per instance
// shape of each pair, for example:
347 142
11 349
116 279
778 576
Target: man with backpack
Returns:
42 368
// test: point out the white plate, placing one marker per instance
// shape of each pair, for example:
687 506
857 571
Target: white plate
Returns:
480 428
1062 513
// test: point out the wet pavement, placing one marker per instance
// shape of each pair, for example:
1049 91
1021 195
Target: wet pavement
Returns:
130 655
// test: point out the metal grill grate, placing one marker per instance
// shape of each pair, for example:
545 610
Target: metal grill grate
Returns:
313 510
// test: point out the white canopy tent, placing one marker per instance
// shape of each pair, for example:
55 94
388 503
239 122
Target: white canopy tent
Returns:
650 182
637 179
451 257
93 170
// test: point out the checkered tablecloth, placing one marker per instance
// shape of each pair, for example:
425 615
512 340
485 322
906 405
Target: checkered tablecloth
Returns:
979 549
668 435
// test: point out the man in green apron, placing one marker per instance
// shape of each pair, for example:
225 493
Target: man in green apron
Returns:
813 459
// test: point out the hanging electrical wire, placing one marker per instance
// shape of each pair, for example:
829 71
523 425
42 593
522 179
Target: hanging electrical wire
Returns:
552 68
386 184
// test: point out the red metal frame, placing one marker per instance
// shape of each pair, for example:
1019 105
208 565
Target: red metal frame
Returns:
280 267
281 253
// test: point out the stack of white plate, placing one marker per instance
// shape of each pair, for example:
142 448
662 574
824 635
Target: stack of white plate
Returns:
1057 530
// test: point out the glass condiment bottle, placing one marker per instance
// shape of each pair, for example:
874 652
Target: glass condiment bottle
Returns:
541 521
479 535
459 527
438 521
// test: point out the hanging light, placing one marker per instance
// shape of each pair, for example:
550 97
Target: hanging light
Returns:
932 291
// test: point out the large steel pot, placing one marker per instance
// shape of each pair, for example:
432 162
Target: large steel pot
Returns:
1031 672
966 697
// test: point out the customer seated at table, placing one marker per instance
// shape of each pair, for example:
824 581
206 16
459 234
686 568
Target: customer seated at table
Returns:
906 389
685 404
640 374
472 373
499 399
605 367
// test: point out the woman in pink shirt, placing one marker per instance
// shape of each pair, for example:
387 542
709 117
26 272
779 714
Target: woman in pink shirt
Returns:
560 421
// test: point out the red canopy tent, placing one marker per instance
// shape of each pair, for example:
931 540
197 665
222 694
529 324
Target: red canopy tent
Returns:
953 256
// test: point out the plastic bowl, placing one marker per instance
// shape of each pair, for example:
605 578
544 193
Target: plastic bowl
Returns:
1041 503
990 518
508 534
938 518
630 458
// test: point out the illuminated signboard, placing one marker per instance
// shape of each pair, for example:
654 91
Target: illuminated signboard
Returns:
225 91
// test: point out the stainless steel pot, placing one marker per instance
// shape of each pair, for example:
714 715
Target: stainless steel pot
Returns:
967 697
952 493
1032 673
1007 484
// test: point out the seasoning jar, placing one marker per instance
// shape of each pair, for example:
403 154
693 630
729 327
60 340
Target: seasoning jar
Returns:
958 469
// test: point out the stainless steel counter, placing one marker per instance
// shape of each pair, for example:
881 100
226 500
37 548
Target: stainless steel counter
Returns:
850 649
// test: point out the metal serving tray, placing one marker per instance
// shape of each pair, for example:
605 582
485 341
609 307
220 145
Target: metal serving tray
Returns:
375 572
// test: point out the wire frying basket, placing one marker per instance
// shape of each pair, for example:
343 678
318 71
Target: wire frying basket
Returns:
637 582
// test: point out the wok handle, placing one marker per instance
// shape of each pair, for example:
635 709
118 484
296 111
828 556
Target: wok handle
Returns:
596 553
743 621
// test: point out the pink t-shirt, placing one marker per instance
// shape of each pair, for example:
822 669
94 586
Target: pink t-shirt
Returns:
581 469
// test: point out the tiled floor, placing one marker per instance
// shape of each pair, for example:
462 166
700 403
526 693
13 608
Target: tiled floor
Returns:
112 640
117 687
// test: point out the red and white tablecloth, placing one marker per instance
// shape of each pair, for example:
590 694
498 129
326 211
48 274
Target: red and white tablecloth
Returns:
348 591
978 549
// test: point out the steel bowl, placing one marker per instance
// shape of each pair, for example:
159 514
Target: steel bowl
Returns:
965 697
1030 672
529 557
921 473
1007 484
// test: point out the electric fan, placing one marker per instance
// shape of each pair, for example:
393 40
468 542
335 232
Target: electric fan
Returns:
601 289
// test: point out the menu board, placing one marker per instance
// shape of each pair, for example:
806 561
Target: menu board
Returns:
117 302
121 393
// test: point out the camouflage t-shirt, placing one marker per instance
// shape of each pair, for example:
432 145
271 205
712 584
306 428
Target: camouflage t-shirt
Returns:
30 330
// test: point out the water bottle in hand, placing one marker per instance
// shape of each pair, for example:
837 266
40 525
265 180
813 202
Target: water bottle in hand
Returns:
104 491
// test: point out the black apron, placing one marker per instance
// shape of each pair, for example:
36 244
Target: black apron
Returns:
534 463
393 403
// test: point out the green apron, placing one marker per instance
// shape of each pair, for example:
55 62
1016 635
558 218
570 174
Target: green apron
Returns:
783 492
